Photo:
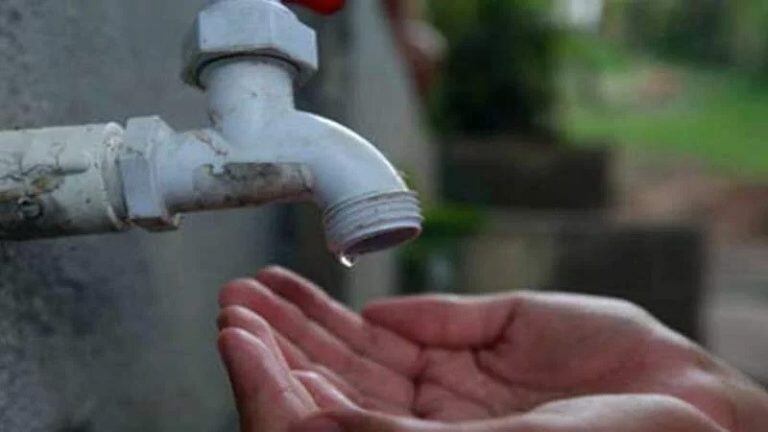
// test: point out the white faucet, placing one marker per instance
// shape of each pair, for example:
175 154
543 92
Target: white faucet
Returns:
247 55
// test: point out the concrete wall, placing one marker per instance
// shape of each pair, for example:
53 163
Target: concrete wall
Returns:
112 333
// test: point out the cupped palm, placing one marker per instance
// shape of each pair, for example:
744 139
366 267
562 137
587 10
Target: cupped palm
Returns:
453 359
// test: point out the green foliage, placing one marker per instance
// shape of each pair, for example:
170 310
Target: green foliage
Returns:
710 99
700 32
748 28
451 221
443 225
682 29
499 73
589 51
721 117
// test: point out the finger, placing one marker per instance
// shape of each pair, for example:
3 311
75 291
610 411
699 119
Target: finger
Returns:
240 317
325 394
350 392
288 354
371 341
297 360
627 412
446 321
321 347
365 421
267 396
293 355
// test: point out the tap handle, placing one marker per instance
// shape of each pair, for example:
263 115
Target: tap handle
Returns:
325 7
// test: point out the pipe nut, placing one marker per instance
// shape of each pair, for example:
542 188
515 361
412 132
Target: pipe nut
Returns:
144 199
231 28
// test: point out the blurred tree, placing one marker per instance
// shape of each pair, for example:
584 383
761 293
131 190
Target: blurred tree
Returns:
692 30
748 34
499 75
704 32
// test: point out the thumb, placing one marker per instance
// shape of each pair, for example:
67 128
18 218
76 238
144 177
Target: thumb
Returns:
363 421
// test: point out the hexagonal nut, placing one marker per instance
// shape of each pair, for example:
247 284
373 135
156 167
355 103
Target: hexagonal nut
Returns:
136 163
230 28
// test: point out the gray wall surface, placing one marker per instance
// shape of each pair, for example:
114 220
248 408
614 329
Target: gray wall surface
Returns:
381 104
116 332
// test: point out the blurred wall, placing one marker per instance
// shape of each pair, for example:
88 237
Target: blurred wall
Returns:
116 332
364 83
382 104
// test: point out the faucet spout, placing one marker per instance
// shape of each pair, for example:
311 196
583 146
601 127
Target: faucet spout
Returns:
366 205
247 55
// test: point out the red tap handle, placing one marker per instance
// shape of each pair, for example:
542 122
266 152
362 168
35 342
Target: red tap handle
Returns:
325 7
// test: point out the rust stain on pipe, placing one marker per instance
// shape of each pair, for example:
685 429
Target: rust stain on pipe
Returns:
247 184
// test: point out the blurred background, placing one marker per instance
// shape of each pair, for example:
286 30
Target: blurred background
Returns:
608 147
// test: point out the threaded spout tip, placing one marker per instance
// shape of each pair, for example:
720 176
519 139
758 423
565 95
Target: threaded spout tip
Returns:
372 223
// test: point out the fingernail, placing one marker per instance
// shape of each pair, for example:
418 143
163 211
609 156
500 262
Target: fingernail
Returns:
319 424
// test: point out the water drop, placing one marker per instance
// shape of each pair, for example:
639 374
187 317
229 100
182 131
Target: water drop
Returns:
348 261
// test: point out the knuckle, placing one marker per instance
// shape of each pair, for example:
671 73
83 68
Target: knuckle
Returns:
674 410
233 292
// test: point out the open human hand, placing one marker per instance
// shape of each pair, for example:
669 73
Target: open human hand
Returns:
522 361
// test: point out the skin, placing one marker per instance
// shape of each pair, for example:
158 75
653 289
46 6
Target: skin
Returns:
532 362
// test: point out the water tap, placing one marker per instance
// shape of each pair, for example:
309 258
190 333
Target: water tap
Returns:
248 56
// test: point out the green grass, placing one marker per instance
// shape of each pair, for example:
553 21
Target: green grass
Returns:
720 117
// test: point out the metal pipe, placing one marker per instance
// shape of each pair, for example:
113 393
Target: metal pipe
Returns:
247 93
62 180
96 178
366 204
